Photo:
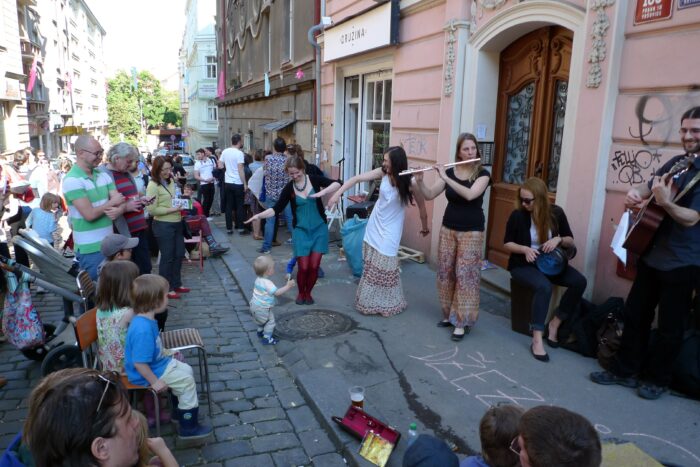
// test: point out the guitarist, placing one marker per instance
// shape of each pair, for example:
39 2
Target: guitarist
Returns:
666 276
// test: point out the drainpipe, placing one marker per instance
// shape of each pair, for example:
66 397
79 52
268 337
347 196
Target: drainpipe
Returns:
325 21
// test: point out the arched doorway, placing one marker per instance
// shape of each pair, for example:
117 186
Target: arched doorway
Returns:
532 93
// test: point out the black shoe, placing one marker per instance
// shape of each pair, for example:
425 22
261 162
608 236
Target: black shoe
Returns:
230 232
458 337
540 358
444 324
300 301
309 301
607 378
551 343
651 391
263 251
243 232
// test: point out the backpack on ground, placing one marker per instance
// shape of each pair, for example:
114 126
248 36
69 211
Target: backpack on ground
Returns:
579 332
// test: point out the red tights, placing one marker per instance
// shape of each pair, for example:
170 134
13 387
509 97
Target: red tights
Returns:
307 274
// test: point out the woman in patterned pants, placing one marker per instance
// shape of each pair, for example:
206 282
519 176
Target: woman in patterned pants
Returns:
461 236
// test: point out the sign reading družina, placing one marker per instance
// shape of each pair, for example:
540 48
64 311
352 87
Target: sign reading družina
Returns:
375 28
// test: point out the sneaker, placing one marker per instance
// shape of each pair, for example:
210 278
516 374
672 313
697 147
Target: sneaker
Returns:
173 296
607 378
289 241
260 334
263 251
269 340
651 391
210 219
230 232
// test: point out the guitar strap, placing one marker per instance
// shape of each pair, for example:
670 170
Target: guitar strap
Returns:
687 188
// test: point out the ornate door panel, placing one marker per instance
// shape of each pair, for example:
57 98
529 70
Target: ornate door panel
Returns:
532 90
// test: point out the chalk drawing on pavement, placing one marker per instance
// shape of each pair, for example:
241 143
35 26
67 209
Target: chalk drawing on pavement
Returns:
488 386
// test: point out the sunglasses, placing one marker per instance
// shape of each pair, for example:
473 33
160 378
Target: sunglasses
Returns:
515 446
527 201
107 382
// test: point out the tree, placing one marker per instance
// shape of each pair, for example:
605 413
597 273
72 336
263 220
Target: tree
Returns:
132 110
123 110
172 112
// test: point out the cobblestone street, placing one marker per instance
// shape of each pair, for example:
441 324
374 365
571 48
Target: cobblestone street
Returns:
260 417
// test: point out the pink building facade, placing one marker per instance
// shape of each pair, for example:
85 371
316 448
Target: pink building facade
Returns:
585 94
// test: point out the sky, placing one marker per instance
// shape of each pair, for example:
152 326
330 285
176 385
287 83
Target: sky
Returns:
145 34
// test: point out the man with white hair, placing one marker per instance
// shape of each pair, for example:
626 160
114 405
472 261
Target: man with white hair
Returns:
89 194
129 217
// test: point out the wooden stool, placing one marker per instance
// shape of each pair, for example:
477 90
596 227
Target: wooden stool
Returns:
521 305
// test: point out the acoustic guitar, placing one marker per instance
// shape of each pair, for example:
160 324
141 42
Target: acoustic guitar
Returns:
647 220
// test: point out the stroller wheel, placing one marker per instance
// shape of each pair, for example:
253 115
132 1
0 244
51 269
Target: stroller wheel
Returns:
39 352
62 357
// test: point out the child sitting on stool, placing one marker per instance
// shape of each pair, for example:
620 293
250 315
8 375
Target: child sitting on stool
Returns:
264 293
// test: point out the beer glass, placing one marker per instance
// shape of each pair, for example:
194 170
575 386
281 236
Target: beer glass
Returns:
357 396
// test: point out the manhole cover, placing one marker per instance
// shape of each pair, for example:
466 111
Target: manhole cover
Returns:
312 323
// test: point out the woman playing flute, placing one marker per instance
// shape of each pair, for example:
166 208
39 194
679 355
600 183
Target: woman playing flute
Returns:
461 236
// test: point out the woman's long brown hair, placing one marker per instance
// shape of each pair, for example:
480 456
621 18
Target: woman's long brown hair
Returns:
542 209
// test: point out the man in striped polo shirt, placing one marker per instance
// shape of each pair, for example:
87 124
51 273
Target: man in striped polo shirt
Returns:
129 218
89 193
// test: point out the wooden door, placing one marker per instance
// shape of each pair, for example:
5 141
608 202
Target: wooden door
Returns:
532 90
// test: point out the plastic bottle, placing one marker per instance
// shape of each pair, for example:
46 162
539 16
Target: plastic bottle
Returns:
412 433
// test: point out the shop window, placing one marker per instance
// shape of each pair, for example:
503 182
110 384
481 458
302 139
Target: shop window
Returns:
377 127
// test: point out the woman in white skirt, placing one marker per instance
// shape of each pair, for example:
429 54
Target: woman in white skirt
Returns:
380 291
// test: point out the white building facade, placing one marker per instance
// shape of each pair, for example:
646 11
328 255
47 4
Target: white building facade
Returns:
199 71
14 125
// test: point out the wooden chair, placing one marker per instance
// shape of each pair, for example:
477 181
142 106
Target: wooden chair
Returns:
86 336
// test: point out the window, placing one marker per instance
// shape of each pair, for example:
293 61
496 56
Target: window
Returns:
212 111
211 66
377 128
287 43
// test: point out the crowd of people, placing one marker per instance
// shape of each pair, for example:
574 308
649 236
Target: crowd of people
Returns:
117 209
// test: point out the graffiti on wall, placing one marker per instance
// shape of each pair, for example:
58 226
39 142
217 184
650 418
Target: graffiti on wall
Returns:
657 117
633 167
654 129
415 145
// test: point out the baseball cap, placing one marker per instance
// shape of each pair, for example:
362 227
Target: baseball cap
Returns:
114 243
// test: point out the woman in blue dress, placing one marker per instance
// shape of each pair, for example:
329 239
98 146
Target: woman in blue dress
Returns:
310 231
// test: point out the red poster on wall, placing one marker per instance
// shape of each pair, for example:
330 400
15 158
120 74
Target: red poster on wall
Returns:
652 10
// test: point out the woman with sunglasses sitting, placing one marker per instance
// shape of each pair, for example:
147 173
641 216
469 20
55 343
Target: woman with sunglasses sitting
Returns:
534 228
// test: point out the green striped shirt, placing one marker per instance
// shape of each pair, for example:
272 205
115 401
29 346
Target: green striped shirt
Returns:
88 235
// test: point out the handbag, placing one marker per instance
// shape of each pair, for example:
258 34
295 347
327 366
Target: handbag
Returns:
20 320
609 340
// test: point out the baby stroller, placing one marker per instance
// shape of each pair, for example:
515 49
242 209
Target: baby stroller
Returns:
61 276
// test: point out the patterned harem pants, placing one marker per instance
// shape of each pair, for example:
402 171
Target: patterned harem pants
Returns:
459 275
